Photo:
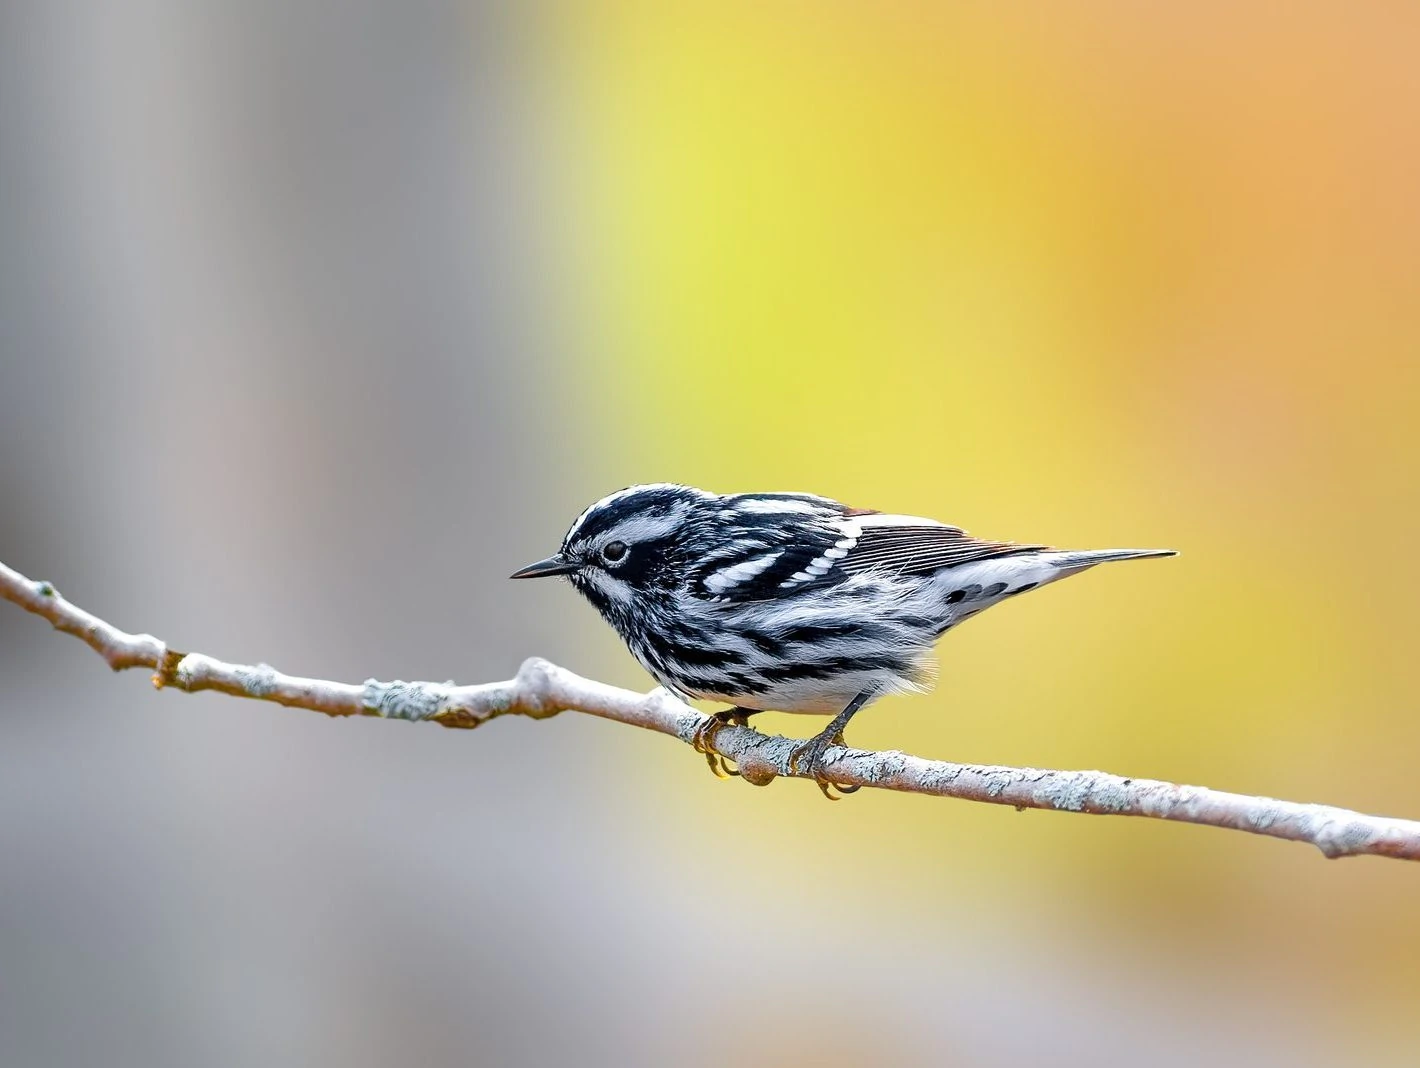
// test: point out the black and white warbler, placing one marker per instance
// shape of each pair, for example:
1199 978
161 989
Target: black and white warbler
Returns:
788 601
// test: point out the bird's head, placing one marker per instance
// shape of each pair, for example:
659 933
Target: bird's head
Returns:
631 546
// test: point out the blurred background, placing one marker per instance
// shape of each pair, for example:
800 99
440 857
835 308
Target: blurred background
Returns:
316 320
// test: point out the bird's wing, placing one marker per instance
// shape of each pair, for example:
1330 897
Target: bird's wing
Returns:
911 546
768 562
798 551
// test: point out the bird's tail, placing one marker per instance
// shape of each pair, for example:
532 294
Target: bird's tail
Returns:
1073 560
972 588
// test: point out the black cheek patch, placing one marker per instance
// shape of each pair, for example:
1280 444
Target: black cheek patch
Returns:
641 562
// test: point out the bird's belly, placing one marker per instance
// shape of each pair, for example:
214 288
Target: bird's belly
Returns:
819 697
824 704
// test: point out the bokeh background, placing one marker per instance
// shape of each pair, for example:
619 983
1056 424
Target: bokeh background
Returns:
316 320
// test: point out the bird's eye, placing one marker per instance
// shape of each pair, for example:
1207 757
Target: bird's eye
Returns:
613 551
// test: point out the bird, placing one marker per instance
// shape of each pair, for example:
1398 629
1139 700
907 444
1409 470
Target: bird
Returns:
790 602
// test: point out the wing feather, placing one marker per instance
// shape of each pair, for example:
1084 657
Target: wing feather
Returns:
783 544
919 548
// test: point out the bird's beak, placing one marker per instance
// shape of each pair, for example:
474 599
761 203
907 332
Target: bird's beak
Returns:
553 565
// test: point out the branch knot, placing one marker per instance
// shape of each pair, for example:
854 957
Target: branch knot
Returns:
535 683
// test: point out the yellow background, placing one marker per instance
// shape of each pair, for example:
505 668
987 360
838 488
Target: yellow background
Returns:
1094 275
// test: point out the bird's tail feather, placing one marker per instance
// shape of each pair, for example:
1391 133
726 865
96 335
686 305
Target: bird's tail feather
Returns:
1066 559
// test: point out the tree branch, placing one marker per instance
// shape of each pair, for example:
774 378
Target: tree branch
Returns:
541 690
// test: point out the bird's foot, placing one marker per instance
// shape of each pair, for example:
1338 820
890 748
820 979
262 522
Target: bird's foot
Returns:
703 740
808 758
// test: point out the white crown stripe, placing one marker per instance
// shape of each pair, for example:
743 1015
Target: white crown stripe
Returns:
622 494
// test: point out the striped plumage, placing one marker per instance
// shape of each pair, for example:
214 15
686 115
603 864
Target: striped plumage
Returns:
789 601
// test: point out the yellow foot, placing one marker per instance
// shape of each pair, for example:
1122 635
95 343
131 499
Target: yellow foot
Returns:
808 758
703 740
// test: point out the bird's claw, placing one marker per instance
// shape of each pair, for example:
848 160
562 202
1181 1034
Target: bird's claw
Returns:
703 740
808 758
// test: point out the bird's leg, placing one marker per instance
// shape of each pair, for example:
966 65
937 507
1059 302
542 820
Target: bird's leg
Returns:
808 757
703 740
